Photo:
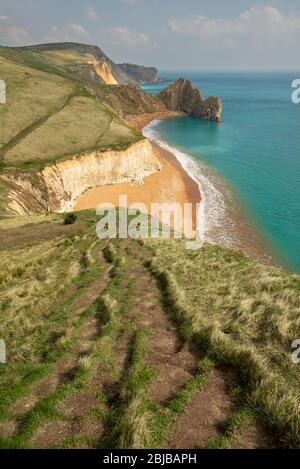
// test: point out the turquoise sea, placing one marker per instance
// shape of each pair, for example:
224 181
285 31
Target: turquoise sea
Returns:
250 161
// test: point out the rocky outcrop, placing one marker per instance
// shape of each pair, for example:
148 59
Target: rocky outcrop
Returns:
58 186
181 96
184 96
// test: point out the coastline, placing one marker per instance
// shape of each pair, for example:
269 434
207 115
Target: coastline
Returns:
171 184
224 220
141 121
182 179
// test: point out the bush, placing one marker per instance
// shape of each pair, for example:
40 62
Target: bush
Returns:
70 218
84 260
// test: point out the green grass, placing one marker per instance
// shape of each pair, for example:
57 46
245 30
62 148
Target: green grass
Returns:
31 94
81 126
241 313
51 115
129 420
229 308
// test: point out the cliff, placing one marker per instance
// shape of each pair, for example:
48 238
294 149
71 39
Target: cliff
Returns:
181 96
65 117
184 96
140 74
57 187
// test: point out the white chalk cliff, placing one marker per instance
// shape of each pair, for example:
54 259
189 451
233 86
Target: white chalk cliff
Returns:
57 187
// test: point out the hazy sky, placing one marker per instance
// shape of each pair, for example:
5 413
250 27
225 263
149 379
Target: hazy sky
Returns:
170 34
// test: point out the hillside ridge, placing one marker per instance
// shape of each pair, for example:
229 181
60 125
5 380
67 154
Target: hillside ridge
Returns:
90 63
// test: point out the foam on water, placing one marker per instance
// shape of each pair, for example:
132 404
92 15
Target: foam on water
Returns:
214 220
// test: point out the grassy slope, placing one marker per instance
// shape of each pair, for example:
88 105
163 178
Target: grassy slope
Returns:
51 115
243 313
31 94
232 310
58 298
82 125
48 117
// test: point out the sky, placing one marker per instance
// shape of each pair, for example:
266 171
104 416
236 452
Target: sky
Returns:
169 34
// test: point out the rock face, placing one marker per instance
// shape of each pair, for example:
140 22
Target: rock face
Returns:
131 100
184 96
58 186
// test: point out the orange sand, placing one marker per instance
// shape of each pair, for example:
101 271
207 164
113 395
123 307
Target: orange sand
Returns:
171 184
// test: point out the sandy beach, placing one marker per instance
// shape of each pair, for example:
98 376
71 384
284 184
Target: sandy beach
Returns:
170 184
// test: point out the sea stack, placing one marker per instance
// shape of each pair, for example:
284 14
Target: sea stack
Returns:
184 96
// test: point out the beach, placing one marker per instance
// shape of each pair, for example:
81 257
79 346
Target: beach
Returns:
171 184
223 219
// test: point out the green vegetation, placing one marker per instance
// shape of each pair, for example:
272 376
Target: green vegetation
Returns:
90 327
70 218
84 124
49 118
31 95
127 343
51 115
240 313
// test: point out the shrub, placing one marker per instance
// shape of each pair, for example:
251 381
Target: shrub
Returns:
18 272
84 260
70 218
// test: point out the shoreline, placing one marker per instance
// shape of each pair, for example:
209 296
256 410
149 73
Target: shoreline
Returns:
141 121
172 184
224 220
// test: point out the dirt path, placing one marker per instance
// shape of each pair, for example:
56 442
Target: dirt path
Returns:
205 416
97 412
176 364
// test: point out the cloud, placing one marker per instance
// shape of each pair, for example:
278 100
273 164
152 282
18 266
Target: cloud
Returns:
72 32
258 23
11 33
78 29
17 33
122 34
91 13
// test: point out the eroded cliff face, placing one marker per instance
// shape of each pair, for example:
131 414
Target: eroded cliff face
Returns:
184 96
102 68
58 186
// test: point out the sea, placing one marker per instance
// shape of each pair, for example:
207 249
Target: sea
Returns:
247 166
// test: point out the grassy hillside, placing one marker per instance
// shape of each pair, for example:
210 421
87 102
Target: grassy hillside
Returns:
85 62
47 118
83 124
127 343
51 115
131 343
31 95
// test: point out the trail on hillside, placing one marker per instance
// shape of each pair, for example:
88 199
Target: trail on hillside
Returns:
129 380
